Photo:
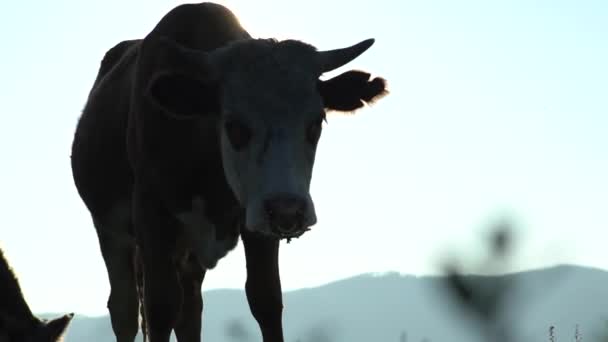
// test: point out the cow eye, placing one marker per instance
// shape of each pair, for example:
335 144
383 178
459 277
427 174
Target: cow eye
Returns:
238 133
313 132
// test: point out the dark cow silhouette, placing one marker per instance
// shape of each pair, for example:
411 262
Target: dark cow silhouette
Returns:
17 323
194 136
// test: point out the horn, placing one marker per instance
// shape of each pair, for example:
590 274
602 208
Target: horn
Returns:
333 59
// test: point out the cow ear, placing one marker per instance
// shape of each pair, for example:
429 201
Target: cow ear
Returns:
182 81
182 95
56 328
351 90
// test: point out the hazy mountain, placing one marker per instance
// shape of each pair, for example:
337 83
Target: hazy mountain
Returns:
381 307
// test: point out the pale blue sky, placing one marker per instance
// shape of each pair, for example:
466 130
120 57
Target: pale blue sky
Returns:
496 108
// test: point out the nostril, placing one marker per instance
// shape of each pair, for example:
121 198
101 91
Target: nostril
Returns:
285 210
270 208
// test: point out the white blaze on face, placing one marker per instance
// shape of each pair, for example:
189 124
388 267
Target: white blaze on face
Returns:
200 236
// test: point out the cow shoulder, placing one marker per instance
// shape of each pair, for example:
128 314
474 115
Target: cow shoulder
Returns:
121 54
114 55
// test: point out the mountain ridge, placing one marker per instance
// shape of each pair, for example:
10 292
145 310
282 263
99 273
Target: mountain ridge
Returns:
371 307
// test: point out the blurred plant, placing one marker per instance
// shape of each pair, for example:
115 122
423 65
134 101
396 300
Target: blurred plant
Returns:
484 302
403 337
577 335
237 331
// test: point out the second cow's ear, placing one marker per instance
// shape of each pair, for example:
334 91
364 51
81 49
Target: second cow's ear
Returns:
56 328
182 95
351 90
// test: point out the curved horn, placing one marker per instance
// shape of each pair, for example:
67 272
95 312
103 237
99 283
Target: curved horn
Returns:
333 59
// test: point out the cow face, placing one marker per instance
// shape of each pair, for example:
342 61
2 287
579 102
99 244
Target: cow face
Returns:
271 107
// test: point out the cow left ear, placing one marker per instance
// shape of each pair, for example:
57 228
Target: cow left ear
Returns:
351 90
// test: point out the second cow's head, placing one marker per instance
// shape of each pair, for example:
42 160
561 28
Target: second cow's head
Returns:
270 104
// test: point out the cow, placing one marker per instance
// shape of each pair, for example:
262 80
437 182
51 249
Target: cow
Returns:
191 138
17 323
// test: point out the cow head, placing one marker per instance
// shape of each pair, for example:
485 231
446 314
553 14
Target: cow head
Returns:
33 329
270 105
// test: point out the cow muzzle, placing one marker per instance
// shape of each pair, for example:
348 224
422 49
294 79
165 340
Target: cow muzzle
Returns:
287 215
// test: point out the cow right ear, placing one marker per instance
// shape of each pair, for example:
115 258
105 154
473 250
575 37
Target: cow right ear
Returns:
182 95
182 81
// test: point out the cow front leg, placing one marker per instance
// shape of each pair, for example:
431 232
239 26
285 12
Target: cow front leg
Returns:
162 292
122 303
188 328
162 297
263 286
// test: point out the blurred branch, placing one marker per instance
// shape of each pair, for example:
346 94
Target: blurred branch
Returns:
475 294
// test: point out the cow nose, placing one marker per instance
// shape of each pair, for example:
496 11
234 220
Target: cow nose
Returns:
285 213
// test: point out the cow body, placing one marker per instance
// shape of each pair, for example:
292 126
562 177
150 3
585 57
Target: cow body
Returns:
178 153
17 322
